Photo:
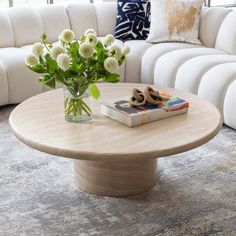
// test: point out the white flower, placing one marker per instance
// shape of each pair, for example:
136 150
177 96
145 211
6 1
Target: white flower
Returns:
92 38
63 61
56 51
86 50
125 50
67 35
31 60
115 51
90 31
111 64
108 40
37 49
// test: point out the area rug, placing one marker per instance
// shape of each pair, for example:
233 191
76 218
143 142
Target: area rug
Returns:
195 194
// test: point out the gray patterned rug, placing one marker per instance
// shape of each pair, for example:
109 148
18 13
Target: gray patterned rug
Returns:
195 195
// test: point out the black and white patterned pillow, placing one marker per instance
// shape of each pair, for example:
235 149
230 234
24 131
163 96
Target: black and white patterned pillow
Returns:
133 19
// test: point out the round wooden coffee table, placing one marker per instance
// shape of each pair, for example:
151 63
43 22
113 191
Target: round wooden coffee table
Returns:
110 158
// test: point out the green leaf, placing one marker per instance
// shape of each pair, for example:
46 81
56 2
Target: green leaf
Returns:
48 81
52 65
77 67
51 83
41 60
101 52
99 45
94 91
122 60
38 69
112 78
70 73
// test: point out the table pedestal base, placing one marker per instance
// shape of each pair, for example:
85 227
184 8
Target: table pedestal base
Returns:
115 179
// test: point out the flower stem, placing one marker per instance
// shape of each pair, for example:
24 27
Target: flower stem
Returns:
76 107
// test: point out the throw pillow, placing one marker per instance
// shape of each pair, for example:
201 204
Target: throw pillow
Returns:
175 20
133 19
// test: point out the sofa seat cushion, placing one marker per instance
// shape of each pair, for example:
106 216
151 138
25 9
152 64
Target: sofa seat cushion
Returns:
3 85
28 47
190 74
153 53
134 58
215 83
167 66
22 82
230 104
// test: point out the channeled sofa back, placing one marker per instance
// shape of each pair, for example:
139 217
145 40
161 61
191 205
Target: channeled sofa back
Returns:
24 25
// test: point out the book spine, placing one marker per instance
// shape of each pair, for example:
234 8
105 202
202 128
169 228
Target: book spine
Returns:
106 111
152 116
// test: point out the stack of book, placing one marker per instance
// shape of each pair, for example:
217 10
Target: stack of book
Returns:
120 109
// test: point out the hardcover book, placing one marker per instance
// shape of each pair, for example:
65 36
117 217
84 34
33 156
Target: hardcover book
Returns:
120 109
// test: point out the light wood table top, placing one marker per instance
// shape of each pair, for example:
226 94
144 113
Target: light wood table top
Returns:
112 159
39 122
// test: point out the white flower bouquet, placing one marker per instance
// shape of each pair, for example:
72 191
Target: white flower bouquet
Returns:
78 65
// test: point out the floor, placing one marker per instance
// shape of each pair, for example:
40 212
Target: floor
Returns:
195 194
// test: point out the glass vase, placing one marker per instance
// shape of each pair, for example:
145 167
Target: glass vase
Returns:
77 108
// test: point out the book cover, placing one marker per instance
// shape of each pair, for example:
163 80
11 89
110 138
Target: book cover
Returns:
121 110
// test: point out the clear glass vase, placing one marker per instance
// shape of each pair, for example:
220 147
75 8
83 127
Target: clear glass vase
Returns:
77 108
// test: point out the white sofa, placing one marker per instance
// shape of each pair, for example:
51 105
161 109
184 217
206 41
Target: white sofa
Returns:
208 70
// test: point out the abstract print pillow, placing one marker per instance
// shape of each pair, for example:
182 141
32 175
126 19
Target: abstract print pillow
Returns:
133 19
175 20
